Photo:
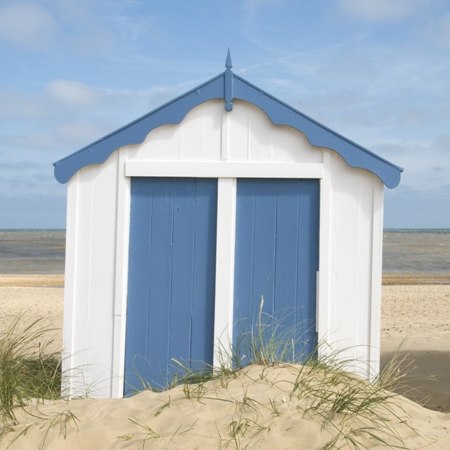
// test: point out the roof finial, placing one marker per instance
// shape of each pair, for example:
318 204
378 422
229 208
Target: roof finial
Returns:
228 63
228 83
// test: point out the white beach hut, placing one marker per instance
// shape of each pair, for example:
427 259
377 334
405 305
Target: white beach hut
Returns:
179 223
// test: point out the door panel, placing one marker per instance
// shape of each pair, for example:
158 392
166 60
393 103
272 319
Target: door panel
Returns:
276 259
170 309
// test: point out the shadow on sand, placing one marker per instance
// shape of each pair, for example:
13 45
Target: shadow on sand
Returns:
428 378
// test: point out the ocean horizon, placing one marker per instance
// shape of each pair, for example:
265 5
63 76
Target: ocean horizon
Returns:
405 250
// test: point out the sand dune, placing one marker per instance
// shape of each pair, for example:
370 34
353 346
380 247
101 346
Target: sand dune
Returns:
257 408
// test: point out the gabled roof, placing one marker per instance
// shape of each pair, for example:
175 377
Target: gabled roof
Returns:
228 86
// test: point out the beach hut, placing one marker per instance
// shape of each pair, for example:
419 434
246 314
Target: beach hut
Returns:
192 225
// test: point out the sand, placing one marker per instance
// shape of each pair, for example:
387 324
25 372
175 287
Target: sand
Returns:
256 409
417 317
35 296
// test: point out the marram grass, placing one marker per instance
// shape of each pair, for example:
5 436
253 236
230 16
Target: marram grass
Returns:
352 412
28 369
350 409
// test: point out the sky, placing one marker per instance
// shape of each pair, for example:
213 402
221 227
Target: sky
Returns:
375 71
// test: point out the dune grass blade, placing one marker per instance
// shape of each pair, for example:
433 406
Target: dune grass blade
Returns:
28 369
353 409
270 341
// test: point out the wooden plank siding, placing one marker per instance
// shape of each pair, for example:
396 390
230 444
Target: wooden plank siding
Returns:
277 241
170 312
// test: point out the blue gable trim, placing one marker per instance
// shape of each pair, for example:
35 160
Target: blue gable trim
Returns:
228 86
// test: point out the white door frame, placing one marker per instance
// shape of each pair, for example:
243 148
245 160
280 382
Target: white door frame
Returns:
226 172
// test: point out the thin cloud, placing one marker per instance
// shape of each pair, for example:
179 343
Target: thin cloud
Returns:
104 28
412 208
27 25
84 28
379 10
371 70
255 4
18 166
72 93
19 105
67 115
78 133
425 168
442 144
439 31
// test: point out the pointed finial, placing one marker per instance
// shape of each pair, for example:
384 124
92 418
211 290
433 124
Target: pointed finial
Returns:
228 83
228 63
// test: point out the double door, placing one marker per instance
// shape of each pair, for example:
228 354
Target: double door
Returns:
172 271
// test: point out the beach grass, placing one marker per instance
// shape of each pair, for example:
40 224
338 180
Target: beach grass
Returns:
353 412
28 369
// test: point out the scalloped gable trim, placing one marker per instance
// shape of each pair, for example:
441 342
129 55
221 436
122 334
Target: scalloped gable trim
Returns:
228 86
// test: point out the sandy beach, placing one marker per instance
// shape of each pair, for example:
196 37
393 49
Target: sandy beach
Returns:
413 314
417 318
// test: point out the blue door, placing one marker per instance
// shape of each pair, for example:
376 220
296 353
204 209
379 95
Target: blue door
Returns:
276 259
170 312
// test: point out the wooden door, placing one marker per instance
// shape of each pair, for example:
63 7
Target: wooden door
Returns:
170 311
276 259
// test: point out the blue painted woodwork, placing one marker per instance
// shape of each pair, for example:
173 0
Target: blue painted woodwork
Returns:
228 86
228 83
171 281
276 257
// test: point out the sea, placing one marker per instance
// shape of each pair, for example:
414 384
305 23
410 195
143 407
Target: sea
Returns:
417 251
404 251
32 251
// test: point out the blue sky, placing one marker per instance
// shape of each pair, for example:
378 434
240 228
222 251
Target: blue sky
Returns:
376 71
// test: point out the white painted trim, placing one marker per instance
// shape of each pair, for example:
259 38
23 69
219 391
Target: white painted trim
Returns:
225 136
121 277
70 284
325 250
223 169
225 246
317 298
374 325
